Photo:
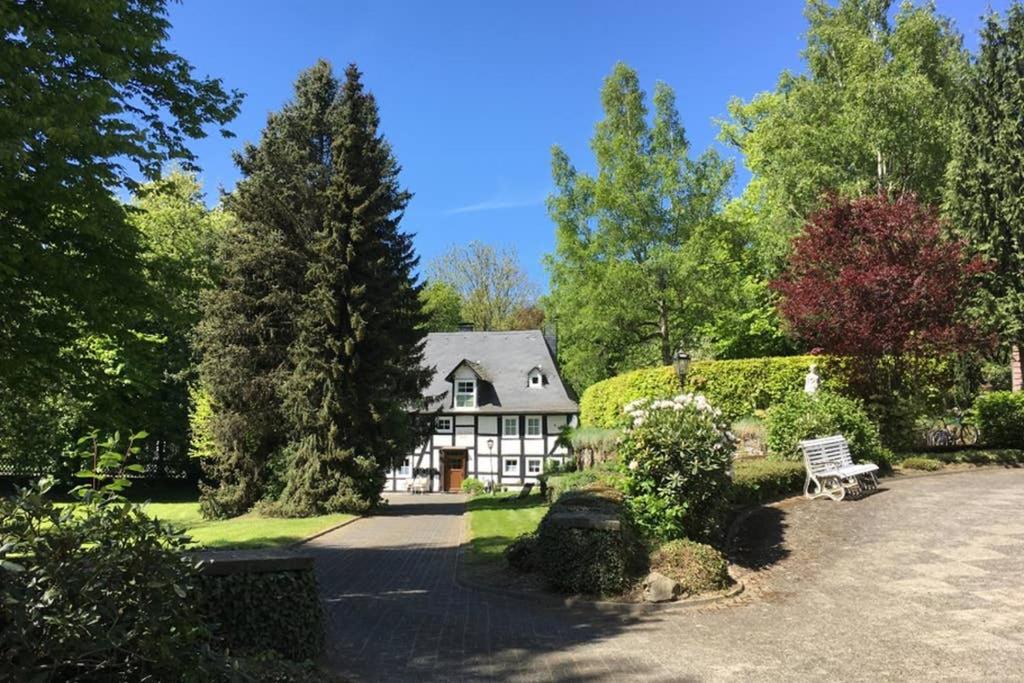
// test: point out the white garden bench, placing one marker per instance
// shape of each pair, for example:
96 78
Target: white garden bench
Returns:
419 485
832 471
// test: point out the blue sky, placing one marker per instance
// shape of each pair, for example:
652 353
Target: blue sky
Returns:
473 94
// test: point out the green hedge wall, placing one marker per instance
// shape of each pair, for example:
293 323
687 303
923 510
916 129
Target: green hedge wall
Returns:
274 610
1000 418
761 480
736 387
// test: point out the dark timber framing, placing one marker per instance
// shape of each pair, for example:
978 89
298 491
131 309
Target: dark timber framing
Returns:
436 443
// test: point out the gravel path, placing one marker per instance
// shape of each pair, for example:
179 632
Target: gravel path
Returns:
920 581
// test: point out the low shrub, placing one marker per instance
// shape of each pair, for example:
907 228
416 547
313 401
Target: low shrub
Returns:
803 416
606 474
270 610
918 463
697 567
472 486
589 560
1010 457
760 480
1000 418
521 553
676 455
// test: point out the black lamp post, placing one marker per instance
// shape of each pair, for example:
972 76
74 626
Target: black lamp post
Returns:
490 451
681 362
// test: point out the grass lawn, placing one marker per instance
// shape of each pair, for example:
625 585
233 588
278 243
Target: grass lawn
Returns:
247 531
496 520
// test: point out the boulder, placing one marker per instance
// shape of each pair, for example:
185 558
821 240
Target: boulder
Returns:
660 588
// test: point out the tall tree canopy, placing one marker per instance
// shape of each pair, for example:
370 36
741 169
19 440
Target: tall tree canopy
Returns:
874 111
987 173
643 262
492 284
442 306
874 277
90 95
358 350
312 343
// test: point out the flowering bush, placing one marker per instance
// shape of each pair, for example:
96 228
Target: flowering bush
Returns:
676 456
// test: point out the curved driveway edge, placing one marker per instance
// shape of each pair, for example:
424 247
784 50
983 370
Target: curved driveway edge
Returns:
923 580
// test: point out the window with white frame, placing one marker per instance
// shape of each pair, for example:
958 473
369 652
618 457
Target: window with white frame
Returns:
406 469
534 466
443 424
510 466
465 393
510 426
533 427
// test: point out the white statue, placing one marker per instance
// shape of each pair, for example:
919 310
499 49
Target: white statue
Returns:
811 380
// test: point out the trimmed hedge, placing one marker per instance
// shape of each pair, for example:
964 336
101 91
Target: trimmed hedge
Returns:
1000 418
761 480
920 463
590 560
736 387
274 610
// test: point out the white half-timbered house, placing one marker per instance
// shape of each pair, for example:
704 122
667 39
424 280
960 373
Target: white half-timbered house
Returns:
501 409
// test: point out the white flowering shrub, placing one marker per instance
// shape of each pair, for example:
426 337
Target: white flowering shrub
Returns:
676 456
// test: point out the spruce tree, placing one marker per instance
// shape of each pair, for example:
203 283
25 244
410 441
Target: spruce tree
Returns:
244 339
987 171
249 323
357 355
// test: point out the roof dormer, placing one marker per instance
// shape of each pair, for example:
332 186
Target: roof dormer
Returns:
535 378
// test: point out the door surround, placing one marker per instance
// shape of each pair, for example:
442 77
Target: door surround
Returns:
454 462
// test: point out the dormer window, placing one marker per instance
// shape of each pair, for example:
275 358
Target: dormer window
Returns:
535 379
465 393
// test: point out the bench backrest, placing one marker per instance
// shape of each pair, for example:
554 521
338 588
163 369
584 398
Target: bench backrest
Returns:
827 453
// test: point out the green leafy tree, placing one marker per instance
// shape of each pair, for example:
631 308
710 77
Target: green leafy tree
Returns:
491 283
442 305
78 117
874 111
644 262
987 172
358 349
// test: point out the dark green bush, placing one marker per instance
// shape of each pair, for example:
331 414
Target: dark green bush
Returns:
675 457
697 567
918 463
590 560
761 480
1000 418
521 553
802 416
472 486
275 610
95 591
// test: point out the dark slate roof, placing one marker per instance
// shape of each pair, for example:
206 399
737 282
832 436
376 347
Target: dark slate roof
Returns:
504 359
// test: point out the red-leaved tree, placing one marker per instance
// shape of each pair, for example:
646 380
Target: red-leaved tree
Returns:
877 277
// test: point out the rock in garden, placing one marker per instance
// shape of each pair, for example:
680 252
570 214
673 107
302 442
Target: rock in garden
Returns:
660 588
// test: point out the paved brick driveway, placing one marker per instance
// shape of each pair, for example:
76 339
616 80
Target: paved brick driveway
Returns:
922 581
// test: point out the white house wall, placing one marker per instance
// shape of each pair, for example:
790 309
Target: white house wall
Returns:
472 432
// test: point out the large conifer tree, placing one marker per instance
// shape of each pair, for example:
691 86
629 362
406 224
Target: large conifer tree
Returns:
358 350
249 323
987 171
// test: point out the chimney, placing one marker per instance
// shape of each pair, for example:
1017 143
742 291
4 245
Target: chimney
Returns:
550 333
465 326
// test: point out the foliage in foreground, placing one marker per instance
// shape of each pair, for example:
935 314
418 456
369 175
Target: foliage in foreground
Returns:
676 457
697 567
97 590
804 416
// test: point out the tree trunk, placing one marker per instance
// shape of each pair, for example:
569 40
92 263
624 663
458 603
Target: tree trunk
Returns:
666 346
1016 379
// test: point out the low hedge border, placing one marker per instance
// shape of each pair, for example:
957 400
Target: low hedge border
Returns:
255 600
758 481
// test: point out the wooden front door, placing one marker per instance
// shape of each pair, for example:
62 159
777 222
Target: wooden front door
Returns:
454 470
